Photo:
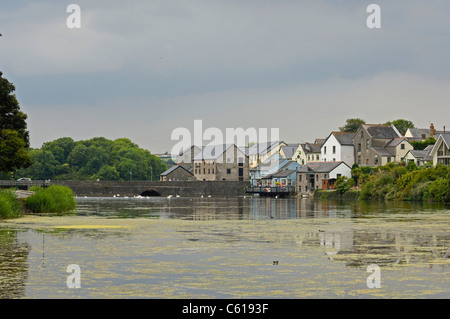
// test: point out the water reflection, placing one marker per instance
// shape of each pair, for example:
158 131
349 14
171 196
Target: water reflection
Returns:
225 242
13 264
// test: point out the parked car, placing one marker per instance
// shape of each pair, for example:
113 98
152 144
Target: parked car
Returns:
24 179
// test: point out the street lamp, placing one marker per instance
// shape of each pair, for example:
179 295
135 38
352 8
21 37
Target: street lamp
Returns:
131 166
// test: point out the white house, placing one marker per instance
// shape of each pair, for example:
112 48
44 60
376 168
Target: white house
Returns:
339 147
441 150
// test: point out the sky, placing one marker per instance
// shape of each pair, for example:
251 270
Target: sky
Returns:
141 69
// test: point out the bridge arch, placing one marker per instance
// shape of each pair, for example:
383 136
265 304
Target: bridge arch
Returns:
150 192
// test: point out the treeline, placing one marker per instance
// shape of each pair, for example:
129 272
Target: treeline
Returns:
397 181
96 158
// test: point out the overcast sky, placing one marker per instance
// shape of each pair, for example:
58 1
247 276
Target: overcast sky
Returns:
140 69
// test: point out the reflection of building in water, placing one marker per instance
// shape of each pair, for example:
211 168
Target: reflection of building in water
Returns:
362 248
13 265
229 208
334 242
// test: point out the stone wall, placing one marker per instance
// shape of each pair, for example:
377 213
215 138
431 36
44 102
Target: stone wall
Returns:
134 188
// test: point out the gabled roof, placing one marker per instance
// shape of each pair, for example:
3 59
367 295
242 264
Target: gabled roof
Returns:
382 151
381 131
422 133
321 167
396 141
445 137
344 138
211 152
263 148
309 148
419 153
289 151
173 168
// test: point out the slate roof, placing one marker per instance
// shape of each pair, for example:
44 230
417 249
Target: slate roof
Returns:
262 148
381 131
417 133
281 173
344 138
174 167
289 151
419 153
396 141
320 167
211 152
309 148
382 151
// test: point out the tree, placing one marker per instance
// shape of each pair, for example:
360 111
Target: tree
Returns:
352 125
401 125
12 151
14 136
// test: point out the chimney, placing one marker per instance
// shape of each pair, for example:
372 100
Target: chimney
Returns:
432 130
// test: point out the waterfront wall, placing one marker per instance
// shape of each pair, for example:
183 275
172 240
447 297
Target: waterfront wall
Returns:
155 188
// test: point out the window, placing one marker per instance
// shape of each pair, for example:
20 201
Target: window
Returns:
339 175
317 157
362 134
376 160
388 159
359 147
209 171
317 177
334 149
300 178
228 171
402 146
212 170
334 160
324 175
204 170
367 144
324 149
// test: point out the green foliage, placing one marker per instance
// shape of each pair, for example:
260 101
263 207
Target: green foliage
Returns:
394 181
9 205
421 145
343 184
97 158
352 125
53 199
401 125
14 136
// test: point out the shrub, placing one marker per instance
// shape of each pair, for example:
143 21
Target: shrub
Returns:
53 199
437 190
9 205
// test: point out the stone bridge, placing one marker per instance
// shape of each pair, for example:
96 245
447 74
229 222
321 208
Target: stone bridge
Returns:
155 188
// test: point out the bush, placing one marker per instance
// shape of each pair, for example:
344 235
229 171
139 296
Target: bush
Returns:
9 205
437 190
53 199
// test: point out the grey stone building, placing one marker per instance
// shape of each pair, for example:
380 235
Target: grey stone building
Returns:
221 163
377 144
177 173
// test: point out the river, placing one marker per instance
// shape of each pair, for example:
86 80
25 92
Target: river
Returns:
228 248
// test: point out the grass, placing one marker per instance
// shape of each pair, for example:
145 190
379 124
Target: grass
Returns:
53 199
9 205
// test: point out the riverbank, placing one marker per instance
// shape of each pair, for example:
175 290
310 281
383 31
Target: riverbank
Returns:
53 199
395 181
